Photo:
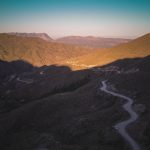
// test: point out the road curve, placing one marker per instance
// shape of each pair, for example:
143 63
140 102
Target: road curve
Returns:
121 127
24 81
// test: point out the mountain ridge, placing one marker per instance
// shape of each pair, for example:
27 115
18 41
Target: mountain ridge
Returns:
92 41
36 51
39 52
139 47
43 36
86 41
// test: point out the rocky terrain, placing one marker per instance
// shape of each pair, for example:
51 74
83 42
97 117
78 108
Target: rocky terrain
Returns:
64 109
55 111
56 108
139 47
36 51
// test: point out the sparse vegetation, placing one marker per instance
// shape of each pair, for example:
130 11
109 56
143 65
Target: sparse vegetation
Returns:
37 51
139 47
64 109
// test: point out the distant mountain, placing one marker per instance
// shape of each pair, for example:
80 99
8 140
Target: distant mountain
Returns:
43 36
140 44
91 41
88 41
139 47
36 51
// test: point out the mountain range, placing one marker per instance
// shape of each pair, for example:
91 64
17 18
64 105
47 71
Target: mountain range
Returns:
88 41
91 41
39 52
36 51
51 95
139 47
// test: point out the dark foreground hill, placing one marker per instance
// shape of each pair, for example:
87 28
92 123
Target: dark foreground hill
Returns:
55 108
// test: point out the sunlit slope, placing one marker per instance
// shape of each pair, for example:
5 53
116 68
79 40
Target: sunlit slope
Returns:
139 47
37 51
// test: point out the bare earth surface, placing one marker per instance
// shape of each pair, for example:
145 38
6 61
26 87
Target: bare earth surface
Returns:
121 127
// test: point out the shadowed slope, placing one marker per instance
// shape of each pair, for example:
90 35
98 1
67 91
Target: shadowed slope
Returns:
79 116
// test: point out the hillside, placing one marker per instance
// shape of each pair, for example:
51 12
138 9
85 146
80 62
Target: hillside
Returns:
139 47
36 51
91 41
55 108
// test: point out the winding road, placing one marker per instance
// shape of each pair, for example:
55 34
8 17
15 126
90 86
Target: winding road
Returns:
27 81
121 127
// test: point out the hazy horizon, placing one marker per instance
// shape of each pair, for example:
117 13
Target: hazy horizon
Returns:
58 37
59 18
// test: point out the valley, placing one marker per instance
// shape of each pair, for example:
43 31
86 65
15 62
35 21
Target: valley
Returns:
53 96
75 75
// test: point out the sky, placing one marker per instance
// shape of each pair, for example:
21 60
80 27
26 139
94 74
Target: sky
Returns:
104 18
